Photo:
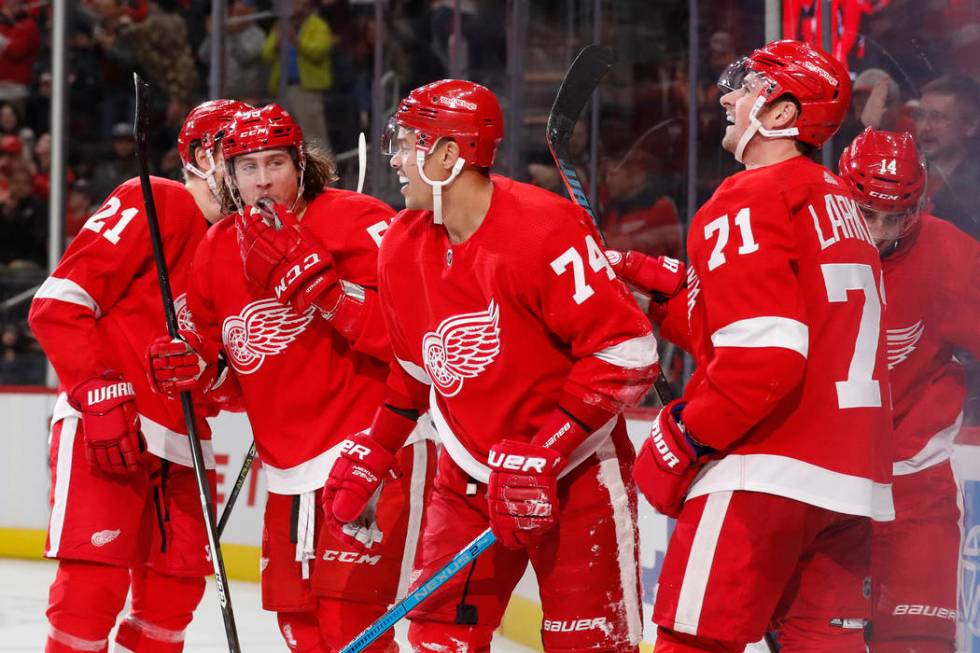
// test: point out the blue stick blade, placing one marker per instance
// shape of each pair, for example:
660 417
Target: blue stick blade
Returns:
469 553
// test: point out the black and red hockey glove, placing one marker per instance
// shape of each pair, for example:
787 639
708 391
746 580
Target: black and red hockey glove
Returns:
110 423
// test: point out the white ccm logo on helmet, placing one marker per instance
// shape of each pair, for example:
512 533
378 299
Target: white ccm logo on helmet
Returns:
883 196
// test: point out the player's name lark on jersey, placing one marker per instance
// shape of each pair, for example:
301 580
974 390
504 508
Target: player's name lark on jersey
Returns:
840 219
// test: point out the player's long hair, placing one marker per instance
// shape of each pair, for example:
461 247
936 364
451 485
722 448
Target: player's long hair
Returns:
319 171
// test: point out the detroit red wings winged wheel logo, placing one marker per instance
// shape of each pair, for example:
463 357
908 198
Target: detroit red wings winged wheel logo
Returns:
263 328
461 348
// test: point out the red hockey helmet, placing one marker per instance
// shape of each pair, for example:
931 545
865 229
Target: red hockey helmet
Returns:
820 84
451 108
883 171
205 124
267 128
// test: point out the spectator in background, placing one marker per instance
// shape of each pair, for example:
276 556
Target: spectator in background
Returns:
639 214
308 67
9 120
78 207
161 48
10 153
38 113
23 220
876 102
244 72
947 121
20 41
119 166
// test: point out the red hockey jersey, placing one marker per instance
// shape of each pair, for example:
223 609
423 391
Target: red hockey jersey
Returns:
101 308
932 283
305 387
503 325
785 326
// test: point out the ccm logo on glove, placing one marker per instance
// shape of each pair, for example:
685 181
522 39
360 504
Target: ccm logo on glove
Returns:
296 272
516 462
114 391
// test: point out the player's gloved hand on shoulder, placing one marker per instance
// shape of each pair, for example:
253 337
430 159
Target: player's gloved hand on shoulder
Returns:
523 492
668 461
286 260
354 479
110 423
183 364
660 276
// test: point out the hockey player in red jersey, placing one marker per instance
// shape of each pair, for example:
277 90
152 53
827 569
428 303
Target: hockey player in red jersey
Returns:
775 458
125 507
509 326
931 270
289 291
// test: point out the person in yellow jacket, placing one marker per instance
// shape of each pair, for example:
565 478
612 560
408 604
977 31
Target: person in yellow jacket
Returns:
308 67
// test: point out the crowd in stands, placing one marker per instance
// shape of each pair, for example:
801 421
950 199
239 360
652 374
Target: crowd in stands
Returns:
915 67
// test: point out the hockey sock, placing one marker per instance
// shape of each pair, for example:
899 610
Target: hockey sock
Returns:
913 646
436 637
341 621
301 632
83 603
669 641
162 608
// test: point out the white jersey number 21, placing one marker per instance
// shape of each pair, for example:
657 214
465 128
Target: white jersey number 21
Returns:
572 257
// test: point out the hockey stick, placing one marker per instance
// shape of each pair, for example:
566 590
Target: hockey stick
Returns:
140 130
239 482
407 604
581 80
361 161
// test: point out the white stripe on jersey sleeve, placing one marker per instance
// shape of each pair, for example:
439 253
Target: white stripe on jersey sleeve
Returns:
766 331
415 371
67 290
631 354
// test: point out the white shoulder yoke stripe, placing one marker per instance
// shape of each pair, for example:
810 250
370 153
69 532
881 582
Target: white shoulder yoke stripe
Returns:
631 354
415 371
765 331
67 290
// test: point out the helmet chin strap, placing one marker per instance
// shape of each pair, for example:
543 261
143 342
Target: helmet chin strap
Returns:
299 190
206 175
756 126
437 185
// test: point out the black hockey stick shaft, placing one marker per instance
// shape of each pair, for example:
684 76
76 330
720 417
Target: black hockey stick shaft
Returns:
236 490
140 130
583 76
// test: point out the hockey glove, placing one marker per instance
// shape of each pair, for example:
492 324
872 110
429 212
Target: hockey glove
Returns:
110 423
355 477
186 363
668 461
523 492
286 260
660 276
